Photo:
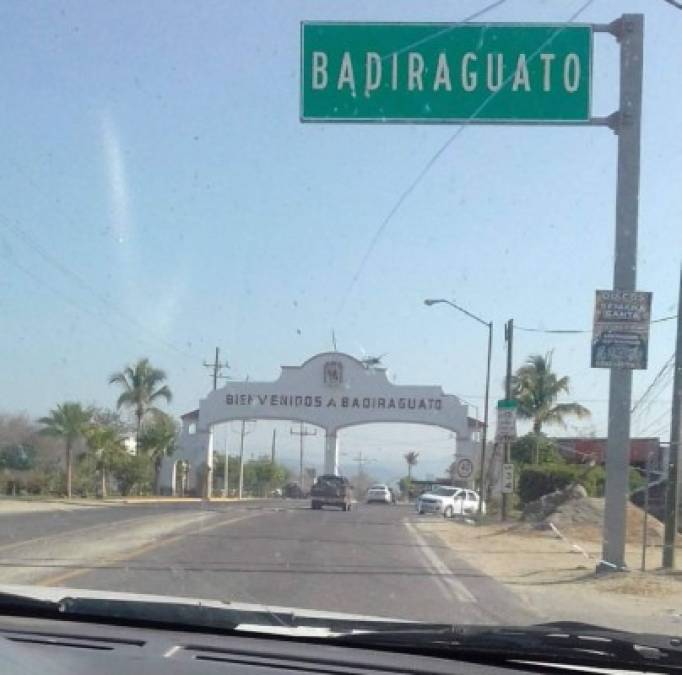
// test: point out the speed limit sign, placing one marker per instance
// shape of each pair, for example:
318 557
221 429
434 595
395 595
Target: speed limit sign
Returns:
464 468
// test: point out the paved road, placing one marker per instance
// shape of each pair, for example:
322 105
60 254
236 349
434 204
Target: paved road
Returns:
372 561
16 527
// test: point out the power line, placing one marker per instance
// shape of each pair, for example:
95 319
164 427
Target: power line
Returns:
301 433
434 158
666 366
83 309
217 368
577 331
665 413
24 236
554 331
361 461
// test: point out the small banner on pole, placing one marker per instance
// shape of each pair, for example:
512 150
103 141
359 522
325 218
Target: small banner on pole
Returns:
620 336
506 420
507 478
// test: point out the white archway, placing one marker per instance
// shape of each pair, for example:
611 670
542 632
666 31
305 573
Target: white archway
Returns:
331 390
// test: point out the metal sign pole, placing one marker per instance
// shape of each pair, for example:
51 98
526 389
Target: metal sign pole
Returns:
509 337
672 496
645 523
631 37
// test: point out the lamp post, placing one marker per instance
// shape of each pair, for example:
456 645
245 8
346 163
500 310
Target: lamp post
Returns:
489 324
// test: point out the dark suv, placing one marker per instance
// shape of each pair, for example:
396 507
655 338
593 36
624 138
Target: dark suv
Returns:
330 490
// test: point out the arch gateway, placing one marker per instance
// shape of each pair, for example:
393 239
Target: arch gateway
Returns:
332 391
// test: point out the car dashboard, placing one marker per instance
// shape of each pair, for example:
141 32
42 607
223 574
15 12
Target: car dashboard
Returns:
48 647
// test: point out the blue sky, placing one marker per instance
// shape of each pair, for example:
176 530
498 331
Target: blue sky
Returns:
159 197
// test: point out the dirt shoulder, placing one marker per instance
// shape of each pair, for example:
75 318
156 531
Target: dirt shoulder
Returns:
554 574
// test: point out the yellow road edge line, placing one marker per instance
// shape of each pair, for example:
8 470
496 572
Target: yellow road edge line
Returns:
80 530
47 537
57 579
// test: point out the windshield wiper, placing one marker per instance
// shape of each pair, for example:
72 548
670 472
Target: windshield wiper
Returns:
191 616
131 612
16 604
560 642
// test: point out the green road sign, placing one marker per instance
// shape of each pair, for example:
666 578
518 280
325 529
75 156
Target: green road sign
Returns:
436 72
507 403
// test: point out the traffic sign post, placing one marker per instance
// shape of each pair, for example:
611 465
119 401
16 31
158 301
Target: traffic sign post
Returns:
507 479
506 420
439 72
464 468
451 73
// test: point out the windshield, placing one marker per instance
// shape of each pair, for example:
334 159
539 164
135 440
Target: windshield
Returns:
444 491
258 256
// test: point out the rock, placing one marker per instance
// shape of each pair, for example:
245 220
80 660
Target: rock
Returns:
578 492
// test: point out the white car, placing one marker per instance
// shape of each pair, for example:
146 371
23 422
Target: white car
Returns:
379 493
449 501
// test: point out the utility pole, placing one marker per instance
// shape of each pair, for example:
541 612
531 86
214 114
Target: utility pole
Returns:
629 30
225 477
361 462
217 368
302 433
672 493
484 435
274 445
509 339
243 433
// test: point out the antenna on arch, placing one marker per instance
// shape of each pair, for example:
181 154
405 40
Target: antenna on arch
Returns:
334 341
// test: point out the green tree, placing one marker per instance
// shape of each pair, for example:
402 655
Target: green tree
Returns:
133 474
105 417
261 476
106 449
405 485
535 449
17 457
536 388
157 439
142 387
68 421
412 458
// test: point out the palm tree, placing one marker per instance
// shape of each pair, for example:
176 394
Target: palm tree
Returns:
158 440
107 447
141 390
67 421
411 457
536 387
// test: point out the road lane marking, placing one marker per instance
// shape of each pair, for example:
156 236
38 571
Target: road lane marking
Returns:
80 530
445 575
58 579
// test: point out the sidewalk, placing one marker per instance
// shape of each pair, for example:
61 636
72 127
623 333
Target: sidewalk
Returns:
556 576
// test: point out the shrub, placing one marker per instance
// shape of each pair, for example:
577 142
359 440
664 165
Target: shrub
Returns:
528 448
536 481
636 480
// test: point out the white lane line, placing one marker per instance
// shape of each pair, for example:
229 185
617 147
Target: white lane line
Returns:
445 574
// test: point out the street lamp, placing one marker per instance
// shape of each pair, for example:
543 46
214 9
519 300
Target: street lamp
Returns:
429 302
